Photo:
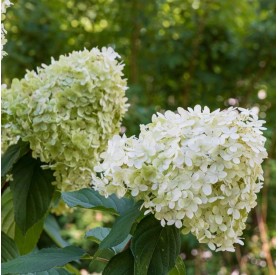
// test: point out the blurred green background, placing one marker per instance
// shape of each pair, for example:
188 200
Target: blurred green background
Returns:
177 53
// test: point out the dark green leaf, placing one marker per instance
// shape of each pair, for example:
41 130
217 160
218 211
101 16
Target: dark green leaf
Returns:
52 228
42 260
52 271
89 198
12 155
9 250
155 248
98 234
32 191
121 227
7 213
26 243
179 268
121 264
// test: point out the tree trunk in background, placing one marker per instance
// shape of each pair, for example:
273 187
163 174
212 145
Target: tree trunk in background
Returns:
200 21
134 41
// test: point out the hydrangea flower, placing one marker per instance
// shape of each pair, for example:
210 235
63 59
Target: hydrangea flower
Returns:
4 5
195 169
67 111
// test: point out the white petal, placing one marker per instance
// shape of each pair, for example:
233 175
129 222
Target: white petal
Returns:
178 224
171 222
236 160
134 192
234 136
189 214
236 214
211 246
188 161
207 189
239 242
230 211
218 219
233 149
171 205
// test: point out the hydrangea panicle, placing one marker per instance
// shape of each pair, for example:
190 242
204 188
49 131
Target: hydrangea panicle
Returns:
67 111
195 169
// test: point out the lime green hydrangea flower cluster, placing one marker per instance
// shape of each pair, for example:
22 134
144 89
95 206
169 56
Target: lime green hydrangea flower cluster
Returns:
195 169
67 111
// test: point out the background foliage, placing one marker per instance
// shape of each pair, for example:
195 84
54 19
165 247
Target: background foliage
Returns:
177 53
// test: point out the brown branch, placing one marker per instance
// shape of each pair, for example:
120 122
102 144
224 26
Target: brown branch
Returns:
267 176
4 187
264 204
238 257
242 259
103 260
264 239
127 245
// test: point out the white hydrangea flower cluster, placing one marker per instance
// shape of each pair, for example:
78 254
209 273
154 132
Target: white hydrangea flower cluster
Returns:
197 170
4 5
68 111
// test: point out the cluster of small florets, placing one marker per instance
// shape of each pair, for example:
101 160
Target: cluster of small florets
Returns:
4 5
197 170
67 111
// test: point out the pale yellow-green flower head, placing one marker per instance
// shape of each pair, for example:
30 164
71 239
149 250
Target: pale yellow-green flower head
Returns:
195 169
67 111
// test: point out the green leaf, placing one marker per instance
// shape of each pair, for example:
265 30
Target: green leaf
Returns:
179 268
89 198
72 269
99 263
98 234
32 191
7 213
26 243
121 227
12 155
52 271
122 263
42 260
155 248
52 228
9 250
